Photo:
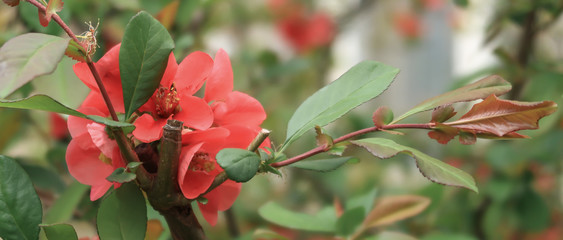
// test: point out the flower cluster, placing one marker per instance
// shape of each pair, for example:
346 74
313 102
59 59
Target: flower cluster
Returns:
222 118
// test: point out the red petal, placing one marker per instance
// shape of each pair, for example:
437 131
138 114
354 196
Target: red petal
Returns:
193 183
185 160
220 81
192 72
225 194
99 190
239 108
77 125
220 199
147 129
170 72
209 135
83 73
84 164
241 136
101 139
108 69
195 113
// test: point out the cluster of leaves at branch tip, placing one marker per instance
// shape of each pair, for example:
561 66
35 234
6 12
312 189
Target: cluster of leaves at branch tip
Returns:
491 118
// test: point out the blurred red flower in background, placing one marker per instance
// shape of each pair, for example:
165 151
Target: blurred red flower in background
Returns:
58 129
304 31
408 24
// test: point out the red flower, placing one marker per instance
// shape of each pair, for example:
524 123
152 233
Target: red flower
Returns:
173 99
303 31
91 155
237 117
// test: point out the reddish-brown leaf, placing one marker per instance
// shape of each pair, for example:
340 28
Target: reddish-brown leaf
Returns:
443 133
382 116
467 138
12 3
443 113
323 139
53 7
511 135
500 117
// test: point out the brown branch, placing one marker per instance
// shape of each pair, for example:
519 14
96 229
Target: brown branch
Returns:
525 51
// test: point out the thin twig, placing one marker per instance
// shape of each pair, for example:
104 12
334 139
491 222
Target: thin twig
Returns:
56 18
321 149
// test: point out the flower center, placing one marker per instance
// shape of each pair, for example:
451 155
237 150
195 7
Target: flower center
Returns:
166 101
201 162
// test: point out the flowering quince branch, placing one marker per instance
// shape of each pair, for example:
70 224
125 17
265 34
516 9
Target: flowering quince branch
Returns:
202 140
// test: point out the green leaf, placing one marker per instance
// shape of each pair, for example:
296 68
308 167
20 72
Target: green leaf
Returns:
350 221
382 116
20 208
241 165
477 90
44 178
432 168
28 56
143 57
267 234
120 175
361 83
324 221
322 165
133 165
462 3
533 212
59 231
123 214
365 200
46 103
64 206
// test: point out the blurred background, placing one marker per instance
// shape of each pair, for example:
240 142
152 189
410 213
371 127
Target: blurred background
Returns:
284 50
